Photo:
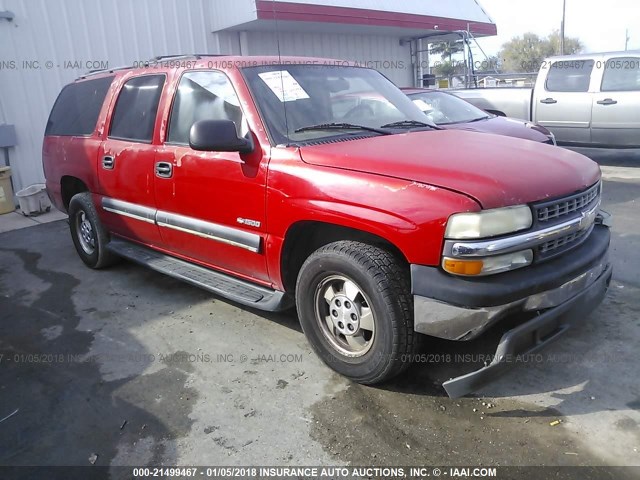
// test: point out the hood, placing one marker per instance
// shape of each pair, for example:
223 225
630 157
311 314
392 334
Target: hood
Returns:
496 171
505 126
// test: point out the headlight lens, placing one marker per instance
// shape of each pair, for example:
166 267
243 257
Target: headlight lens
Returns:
489 223
488 265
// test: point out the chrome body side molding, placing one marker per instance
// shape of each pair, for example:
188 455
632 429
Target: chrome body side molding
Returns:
193 226
132 210
213 231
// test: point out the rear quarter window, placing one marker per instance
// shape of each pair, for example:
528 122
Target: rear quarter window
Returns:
76 110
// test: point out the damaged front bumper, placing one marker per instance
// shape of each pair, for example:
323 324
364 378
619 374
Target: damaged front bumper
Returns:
551 296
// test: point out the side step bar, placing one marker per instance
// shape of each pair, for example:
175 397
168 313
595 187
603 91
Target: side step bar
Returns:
226 286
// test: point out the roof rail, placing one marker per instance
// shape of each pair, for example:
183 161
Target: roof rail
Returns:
197 56
103 70
182 55
188 55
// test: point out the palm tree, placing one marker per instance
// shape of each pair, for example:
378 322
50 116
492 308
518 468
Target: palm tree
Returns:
446 50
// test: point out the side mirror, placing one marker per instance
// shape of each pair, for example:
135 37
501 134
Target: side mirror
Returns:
218 136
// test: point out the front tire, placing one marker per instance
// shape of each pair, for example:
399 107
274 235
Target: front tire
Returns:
355 307
89 235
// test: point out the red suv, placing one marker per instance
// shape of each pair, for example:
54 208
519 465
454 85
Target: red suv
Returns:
254 179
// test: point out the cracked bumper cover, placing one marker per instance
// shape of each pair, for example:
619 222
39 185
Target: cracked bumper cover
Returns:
560 292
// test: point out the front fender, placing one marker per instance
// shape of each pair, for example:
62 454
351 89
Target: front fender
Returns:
409 215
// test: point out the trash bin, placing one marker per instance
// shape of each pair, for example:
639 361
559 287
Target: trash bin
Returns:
6 191
34 199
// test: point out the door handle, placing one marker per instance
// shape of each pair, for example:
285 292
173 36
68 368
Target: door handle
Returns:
108 162
164 169
607 101
549 100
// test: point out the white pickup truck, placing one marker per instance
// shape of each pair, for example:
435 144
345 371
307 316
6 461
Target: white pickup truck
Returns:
584 100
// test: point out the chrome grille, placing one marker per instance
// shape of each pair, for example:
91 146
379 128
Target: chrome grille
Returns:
568 205
547 248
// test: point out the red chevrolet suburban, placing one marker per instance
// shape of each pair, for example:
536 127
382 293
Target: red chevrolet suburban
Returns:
253 178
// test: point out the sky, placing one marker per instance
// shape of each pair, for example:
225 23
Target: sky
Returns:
599 24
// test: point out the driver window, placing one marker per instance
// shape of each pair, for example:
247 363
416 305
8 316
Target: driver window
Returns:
204 96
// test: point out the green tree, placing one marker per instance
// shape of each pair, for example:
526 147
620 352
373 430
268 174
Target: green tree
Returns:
450 70
446 50
526 53
571 45
445 69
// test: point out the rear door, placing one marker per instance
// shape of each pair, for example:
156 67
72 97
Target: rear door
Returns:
616 108
563 100
211 205
126 161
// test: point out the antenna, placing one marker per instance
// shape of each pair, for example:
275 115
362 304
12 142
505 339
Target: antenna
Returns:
284 95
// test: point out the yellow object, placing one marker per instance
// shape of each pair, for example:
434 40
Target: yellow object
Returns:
462 267
555 422
6 191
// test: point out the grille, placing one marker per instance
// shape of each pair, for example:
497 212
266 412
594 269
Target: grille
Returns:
568 205
554 246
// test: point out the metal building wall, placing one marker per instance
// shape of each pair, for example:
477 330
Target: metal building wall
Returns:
384 53
58 33
50 42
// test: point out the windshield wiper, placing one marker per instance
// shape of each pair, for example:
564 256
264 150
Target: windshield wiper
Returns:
342 126
477 119
411 123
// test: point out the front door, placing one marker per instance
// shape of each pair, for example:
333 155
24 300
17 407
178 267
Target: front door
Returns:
211 205
616 109
563 102
126 162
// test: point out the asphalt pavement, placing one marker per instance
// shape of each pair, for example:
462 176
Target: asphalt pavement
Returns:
128 367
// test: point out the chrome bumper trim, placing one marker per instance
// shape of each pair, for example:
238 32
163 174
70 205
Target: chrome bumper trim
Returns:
524 241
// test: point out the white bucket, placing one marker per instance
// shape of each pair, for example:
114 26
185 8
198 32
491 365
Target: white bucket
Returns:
34 200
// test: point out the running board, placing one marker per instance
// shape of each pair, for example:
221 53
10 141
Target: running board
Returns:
226 286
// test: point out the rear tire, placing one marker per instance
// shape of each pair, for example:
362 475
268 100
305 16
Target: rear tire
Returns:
89 235
355 307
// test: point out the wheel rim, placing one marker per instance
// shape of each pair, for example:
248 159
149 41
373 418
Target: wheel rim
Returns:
85 233
345 316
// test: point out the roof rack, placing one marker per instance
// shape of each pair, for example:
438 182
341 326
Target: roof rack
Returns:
197 56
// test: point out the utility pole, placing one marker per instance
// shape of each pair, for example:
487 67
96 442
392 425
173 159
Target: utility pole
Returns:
564 11
626 39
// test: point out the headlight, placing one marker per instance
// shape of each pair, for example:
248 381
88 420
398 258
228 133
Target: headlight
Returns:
488 265
488 223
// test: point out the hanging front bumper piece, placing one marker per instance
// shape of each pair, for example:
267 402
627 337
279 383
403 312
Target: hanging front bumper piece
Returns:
548 298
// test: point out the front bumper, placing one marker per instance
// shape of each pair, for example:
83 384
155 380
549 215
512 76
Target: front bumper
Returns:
555 294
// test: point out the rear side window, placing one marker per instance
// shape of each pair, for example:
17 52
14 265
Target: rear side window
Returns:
570 76
621 75
76 110
135 113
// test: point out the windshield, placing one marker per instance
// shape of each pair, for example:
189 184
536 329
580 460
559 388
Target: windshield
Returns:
292 97
445 109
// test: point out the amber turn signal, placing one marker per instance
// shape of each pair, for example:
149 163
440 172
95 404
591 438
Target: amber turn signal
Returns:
462 267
